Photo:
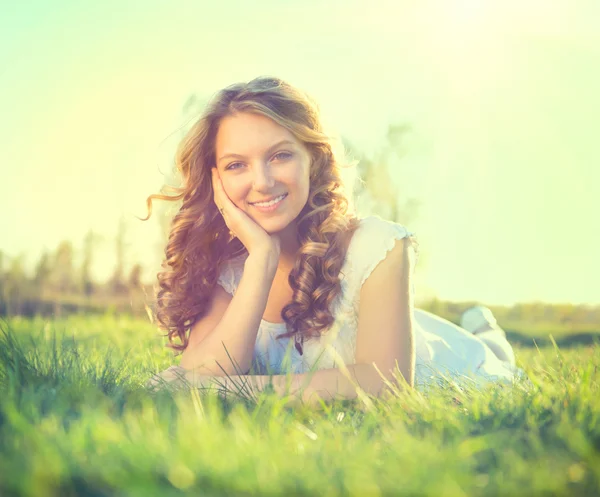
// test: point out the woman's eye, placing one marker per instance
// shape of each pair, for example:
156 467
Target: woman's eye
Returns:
285 155
280 156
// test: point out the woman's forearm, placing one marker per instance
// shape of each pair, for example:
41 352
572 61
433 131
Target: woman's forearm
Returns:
235 334
308 388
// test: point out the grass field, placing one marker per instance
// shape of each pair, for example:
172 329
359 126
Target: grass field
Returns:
76 420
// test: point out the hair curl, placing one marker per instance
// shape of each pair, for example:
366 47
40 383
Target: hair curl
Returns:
199 241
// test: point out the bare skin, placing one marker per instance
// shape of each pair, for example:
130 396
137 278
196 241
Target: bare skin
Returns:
257 160
251 234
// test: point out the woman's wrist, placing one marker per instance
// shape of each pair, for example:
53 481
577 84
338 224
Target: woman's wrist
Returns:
264 261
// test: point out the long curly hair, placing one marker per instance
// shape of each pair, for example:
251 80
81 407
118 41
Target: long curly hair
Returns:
200 244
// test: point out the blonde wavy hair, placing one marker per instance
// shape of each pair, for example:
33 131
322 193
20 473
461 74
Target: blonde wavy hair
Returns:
200 244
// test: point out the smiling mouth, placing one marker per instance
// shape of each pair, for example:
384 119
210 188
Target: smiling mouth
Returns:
270 202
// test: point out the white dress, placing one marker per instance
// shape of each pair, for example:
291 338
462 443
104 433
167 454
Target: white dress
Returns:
444 351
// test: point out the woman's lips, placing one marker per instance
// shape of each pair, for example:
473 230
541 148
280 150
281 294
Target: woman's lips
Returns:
269 208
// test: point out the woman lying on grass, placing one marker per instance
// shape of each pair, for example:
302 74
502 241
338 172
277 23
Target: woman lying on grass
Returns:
268 271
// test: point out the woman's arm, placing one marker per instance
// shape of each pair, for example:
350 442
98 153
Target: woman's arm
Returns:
222 341
232 331
311 388
385 333
384 342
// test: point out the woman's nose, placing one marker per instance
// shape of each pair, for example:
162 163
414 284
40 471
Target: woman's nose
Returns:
263 179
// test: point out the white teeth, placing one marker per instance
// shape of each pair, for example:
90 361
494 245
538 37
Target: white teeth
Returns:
272 202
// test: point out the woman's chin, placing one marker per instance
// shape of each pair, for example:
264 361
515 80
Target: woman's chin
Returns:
273 226
271 223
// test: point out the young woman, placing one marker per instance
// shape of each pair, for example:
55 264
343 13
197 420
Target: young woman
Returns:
268 271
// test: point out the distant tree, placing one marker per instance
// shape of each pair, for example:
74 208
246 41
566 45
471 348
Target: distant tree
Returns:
135 278
89 243
436 306
376 191
15 286
42 275
63 273
3 298
1 282
117 282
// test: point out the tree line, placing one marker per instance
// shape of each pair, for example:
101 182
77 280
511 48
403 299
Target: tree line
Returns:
59 285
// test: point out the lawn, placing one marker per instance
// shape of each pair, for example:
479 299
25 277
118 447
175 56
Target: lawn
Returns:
75 419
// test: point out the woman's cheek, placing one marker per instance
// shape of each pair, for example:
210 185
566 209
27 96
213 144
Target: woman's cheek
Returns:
231 192
240 200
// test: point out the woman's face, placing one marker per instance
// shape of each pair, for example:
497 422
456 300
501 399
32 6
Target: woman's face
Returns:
259 160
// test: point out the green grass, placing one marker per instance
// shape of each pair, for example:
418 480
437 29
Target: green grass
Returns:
76 420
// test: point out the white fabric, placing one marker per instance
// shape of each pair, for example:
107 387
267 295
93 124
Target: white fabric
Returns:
476 317
443 349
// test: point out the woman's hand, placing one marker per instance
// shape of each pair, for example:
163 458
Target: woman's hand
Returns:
249 232
178 376
169 377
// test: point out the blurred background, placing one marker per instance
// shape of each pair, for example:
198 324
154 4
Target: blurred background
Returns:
473 123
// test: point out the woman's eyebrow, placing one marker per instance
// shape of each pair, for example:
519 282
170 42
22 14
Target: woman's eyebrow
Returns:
270 149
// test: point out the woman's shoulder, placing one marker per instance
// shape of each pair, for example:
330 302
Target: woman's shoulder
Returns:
372 230
373 239
375 222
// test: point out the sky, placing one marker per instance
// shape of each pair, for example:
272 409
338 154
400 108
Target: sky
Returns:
501 97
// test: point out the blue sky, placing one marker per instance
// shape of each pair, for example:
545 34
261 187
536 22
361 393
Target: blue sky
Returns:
501 96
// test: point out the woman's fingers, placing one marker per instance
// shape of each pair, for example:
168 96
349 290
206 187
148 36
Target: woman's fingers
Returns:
216 192
168 376
221 198
222 201
240 224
